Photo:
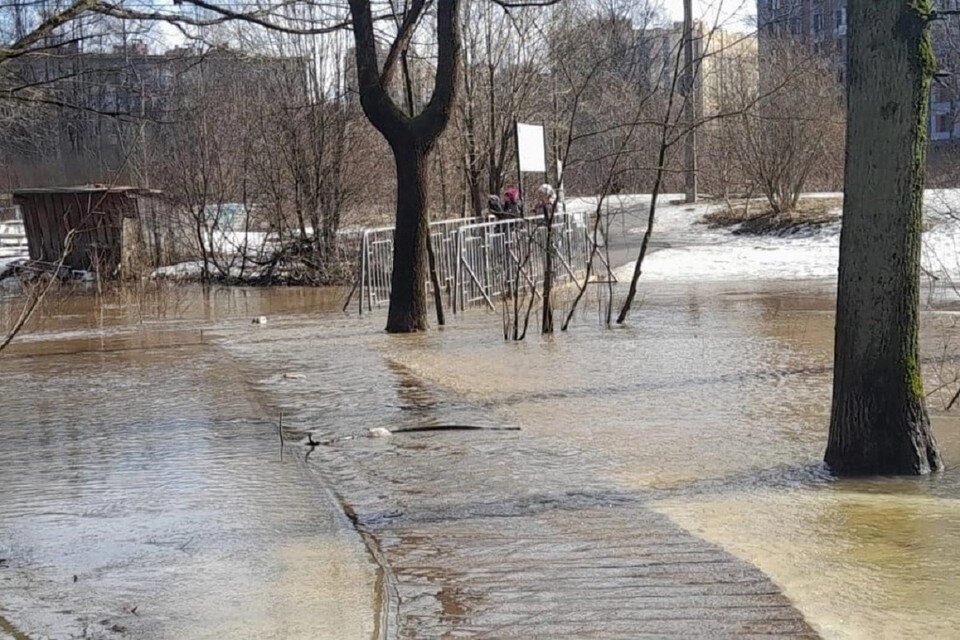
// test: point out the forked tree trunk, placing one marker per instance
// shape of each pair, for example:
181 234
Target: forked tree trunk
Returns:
411 138
879 422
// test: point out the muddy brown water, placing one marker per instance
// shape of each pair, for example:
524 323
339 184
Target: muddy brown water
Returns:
142 494
666 480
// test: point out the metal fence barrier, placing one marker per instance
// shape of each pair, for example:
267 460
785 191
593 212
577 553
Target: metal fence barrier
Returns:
478 262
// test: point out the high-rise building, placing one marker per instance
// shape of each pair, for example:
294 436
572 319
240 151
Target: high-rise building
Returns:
822 26
86 109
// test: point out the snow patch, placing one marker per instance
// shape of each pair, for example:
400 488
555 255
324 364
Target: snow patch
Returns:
697 252
179 270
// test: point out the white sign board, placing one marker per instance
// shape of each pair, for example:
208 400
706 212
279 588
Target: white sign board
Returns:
530 148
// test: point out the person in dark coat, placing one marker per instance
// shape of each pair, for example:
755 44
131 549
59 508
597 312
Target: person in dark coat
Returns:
495 207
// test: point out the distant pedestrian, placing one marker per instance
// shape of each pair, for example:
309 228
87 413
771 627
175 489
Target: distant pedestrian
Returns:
512 205
546 201
495 206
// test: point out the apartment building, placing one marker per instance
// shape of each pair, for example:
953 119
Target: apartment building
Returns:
822 25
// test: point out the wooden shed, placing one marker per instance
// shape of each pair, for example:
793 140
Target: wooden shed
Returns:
116 230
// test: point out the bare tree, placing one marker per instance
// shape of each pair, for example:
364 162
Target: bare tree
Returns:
411 138
793 135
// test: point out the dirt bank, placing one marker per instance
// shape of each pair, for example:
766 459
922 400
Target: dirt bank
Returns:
758 218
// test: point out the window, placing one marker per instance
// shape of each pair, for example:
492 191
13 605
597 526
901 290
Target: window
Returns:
942 124
817 22
774 5
795 26
841 18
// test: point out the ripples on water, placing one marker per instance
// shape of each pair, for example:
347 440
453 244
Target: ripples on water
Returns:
713 405
141 495
711 408
489 533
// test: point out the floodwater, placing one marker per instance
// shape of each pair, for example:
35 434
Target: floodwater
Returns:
142 492
712 408
665 480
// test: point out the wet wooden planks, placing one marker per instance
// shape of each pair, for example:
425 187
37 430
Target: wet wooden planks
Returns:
633 574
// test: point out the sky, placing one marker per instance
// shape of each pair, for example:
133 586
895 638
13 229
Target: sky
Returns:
734 14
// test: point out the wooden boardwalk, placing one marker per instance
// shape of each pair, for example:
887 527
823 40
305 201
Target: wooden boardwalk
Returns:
485 563
493 534
532 577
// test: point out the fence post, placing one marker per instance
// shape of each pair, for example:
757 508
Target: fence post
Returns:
362 267
456 269
487 267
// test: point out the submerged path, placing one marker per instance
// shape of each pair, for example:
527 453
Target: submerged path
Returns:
494 534
560 564
141 497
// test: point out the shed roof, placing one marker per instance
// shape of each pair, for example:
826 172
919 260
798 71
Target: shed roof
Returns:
87 188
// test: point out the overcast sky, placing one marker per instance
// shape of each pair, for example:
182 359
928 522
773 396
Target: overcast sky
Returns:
736 15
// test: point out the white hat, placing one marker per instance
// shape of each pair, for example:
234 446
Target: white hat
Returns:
546 190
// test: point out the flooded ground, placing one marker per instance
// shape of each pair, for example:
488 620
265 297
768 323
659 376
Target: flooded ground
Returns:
665 480
142 495
712 409
491 533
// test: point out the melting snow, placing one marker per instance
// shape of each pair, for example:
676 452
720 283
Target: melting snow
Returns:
697 252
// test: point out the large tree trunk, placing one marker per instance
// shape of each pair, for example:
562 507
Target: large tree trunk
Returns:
879 422
408 297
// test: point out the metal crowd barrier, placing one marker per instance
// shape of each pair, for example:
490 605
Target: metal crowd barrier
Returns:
477 262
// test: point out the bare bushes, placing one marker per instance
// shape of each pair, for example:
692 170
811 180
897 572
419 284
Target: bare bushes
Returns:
788 134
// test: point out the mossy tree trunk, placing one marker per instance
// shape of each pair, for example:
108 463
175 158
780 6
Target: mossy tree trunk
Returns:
879 422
